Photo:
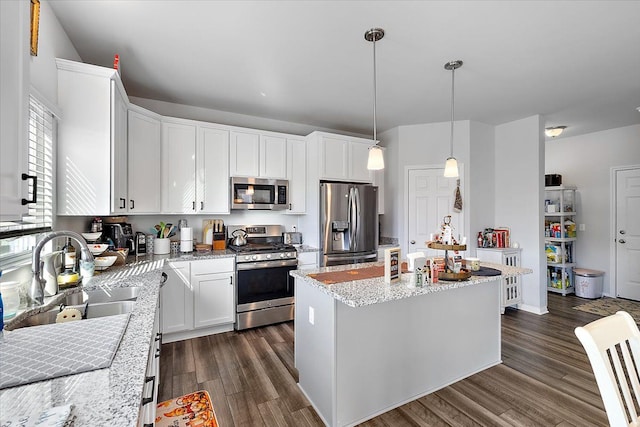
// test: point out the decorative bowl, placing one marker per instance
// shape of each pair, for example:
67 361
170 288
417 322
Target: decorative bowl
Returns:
97 248
92 237
104 262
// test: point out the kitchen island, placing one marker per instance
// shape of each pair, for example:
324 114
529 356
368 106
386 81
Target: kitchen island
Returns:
364 347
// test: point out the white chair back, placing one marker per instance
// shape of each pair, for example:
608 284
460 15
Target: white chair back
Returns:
613 347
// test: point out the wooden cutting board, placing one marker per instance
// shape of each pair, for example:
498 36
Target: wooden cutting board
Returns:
332 277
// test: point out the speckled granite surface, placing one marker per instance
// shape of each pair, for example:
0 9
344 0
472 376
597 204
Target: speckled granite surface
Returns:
111 396
360 293
305 248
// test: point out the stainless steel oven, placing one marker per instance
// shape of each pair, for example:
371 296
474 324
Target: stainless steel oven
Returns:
264 288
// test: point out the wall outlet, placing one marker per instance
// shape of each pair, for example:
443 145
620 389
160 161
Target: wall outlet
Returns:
581 227
312 315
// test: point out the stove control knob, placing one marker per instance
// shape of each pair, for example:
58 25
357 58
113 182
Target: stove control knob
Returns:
282 255
268 256
247 257
255 257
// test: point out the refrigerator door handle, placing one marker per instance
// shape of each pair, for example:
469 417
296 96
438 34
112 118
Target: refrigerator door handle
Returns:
357 216
353 212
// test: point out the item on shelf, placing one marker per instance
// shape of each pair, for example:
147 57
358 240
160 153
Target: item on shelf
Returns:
552 180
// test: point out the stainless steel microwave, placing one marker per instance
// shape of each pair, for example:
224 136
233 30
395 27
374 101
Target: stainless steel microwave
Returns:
259 193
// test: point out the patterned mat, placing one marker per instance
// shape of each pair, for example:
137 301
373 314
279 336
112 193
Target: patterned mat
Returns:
190 410
608 306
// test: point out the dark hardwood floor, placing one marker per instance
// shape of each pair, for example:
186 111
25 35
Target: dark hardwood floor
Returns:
545 378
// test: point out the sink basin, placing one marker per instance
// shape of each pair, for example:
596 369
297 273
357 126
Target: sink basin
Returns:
114 294
93 310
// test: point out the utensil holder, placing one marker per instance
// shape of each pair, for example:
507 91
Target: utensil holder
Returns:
161 246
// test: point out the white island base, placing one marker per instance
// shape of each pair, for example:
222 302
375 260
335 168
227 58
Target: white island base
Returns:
358 362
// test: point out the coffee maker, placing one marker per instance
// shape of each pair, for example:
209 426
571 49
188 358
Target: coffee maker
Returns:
121 235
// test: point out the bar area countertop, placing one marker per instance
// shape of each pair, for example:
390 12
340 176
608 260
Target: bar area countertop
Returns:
364 347
358 293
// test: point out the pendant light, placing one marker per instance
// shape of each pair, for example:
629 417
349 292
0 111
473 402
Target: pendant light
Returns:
451 166
375 160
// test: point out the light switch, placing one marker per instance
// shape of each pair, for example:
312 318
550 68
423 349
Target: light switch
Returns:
312 315
581 227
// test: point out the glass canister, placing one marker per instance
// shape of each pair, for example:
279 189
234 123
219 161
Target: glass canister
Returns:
10 298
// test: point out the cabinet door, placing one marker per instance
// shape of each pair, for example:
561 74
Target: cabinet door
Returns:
119 179
334 155
273 157
307 260
244 156
14 109
358 157
212 182
144 163
297 175
176 298
178 168
213 299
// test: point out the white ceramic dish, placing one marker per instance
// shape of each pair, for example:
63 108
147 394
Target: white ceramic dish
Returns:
92 237
104 262
97 248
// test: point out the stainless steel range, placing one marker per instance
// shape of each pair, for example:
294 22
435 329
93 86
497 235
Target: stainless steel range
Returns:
264 291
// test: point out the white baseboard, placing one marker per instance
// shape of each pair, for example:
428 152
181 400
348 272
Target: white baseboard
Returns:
195 333
533 309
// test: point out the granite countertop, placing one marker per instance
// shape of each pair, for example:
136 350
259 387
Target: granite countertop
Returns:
109 396
359 293
306 248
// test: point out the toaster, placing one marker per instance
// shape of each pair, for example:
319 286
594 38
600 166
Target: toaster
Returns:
292 238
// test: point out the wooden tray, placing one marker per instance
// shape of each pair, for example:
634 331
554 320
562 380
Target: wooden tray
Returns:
441 246
463 275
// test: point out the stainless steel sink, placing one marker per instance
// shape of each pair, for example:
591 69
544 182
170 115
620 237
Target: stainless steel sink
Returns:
92 311
114 294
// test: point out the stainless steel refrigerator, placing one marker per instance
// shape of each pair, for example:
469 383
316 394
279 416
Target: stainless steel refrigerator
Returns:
348 223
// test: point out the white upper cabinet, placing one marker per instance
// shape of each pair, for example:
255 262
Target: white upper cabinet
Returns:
257 155
144 162
342 158
273 157
212 170
244 155
91 137
297 175
14 109
178 167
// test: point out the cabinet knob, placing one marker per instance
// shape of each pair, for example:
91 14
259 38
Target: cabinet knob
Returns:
622 241
413 242
622 231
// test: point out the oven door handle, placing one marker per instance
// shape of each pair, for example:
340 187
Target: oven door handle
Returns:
267 264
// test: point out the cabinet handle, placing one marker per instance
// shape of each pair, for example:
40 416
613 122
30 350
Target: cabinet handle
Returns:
201 206
165 276
132 204
193 206
231 280
158 336
157 355
622 231
290 208
35 188
123 203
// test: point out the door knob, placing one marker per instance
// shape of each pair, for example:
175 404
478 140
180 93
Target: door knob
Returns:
413 242
621 231
622 241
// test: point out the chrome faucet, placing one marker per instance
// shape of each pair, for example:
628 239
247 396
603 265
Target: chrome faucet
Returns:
36 291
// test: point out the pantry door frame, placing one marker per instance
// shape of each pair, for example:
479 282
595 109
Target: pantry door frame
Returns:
613 232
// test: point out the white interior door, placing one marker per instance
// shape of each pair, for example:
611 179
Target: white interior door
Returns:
431 198
627 249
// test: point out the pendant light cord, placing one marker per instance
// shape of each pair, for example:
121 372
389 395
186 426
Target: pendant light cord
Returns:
453 74
375 136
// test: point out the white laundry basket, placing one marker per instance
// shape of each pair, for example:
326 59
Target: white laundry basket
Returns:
588 283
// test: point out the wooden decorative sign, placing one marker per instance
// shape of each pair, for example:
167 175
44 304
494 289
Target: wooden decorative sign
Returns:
392 265
35 26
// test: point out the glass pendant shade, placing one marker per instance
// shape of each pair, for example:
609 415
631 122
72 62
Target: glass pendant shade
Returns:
451 168
376 160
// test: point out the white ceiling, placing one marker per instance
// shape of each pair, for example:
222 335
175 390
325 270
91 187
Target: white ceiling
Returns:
575 62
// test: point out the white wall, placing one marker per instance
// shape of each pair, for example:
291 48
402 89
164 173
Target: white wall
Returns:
53 43
480 194
586 161
519 189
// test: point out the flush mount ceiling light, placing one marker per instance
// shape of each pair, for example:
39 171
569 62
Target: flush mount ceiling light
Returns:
375 160
554 131
451 166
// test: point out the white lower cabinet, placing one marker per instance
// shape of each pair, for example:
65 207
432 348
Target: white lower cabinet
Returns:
511 286
307 260
149 401
198 298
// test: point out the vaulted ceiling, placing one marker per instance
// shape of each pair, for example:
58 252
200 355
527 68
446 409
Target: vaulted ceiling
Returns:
575 62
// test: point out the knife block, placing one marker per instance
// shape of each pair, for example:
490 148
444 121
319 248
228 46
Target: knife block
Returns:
220 240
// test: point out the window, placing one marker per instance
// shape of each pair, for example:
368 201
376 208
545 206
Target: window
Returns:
18 238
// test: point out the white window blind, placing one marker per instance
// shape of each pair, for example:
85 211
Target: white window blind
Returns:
17 238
